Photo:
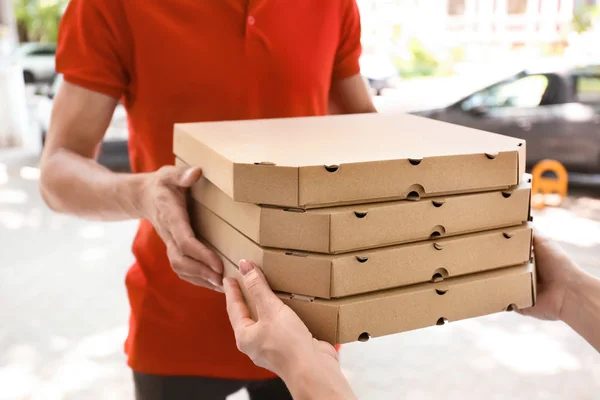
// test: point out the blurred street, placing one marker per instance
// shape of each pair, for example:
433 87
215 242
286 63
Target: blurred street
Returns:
65 312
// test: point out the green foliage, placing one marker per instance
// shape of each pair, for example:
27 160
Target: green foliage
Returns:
585 17
38 20
422 63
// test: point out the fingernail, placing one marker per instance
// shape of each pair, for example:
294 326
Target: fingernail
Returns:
246 266
187 173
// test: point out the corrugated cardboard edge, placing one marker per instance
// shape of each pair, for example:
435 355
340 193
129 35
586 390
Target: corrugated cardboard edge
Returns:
246 217
522 161
215 167
263 183
295 229
285 270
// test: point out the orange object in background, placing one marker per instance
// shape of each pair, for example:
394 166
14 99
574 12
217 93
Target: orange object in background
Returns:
542 187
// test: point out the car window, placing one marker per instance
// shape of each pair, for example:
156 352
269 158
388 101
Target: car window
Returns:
43 52
519 92
587 89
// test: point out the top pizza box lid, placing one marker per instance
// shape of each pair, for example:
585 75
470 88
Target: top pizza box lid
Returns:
319 161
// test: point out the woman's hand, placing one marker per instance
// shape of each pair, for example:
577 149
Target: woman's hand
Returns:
556 274
279 341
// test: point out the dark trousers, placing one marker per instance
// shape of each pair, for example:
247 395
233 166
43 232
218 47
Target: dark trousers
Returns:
156 387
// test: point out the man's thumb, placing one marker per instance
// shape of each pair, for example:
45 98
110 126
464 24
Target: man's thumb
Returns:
188 176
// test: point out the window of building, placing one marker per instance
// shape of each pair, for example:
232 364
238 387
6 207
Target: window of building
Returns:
456 7
514 7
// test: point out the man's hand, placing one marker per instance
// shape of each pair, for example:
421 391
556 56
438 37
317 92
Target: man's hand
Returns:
279 341
163 203
556 271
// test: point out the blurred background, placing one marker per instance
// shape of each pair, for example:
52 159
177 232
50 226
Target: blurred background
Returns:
524 68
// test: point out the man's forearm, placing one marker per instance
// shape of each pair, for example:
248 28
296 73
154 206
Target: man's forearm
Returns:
581 308
79 186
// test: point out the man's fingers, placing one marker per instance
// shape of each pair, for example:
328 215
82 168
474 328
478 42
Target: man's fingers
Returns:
183 234
184 265
186 242
258 288
201 282
238 312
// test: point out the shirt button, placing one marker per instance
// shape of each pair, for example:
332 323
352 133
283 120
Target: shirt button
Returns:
251 20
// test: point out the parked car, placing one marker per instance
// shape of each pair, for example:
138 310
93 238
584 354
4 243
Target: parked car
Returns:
556 111
38 62
114 151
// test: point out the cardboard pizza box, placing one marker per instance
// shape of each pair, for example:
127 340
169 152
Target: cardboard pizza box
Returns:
330 276
361 317
321 161
350 228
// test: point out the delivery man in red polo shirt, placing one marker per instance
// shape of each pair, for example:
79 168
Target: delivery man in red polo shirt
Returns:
185 61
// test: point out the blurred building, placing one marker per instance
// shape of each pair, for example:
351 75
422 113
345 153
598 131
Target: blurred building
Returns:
486 29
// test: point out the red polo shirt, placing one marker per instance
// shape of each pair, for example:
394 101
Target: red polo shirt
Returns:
200 60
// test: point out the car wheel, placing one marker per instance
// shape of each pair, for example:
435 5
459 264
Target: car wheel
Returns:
28 77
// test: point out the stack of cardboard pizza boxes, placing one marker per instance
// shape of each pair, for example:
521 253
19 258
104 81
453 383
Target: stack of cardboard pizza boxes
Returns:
367 225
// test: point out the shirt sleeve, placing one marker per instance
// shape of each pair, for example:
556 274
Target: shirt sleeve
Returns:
349 49
94 46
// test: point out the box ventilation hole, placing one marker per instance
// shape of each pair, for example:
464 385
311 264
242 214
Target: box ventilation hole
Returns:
491 156
414 196
442 321
360 214
364 337
441 292
437 231
362 260
520 144
439 275
415 192
507 235
512 307
296 210
332 168
291 253
415 161
438 246
265 163
506 195
438 203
